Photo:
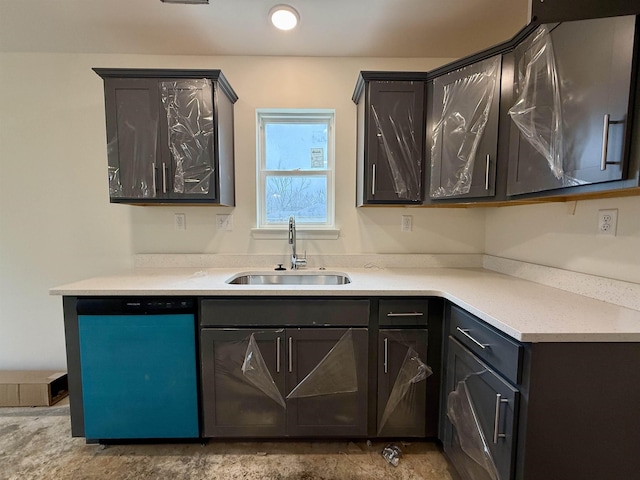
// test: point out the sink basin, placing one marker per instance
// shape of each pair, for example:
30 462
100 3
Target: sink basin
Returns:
290 278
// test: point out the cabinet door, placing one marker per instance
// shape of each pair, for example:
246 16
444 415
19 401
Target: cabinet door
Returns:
395 142
138 376
189 138
327 382
571 121
133 145
234 403
401 402
465 113
480 425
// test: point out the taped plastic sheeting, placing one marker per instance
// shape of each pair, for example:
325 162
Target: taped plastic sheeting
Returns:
189 108
135 140
401 149
457 134
336 372
537 111
257 373
412 371
462 414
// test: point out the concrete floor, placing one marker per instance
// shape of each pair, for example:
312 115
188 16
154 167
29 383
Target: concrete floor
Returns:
36 443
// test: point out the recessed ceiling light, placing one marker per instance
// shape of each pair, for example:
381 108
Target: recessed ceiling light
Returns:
284 17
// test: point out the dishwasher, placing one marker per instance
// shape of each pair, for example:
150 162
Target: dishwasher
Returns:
138 368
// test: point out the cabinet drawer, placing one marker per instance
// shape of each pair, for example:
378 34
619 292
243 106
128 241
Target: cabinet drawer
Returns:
403 312
283 312
504 354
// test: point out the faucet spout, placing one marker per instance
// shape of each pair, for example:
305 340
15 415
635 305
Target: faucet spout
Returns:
295 261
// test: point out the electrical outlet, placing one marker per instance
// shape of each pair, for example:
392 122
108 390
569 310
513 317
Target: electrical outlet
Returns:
407 223
180 221
607 222
224 221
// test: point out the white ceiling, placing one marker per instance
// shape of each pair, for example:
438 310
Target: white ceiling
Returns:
344 28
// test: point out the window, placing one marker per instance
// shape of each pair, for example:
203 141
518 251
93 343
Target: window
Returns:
295 168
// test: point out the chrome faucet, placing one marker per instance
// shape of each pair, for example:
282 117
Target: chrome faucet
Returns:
295 261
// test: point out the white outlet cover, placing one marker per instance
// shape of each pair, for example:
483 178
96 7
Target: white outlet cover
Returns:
180 221
224 221
608 222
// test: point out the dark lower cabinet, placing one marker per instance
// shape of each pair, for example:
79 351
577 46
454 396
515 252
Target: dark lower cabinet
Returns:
232 405
327 382
284 382
529 411
402 384
481 412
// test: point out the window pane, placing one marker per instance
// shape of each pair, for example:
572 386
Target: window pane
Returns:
292 146
302 196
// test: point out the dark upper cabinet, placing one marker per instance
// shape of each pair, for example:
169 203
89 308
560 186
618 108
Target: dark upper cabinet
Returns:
169 136
571 122
562 10
464 131
391 137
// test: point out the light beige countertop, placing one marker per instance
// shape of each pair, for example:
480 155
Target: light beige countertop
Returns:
527 311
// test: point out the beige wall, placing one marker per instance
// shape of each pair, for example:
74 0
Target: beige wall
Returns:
57 226
56 223
564 235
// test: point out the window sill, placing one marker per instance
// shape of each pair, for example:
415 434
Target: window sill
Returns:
301 233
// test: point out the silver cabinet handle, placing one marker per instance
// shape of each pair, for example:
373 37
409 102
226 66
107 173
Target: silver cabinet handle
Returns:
405 314
386 355
605 142
290 355
278 355
164 177
465 332
373 180
153 177
496 421
486 172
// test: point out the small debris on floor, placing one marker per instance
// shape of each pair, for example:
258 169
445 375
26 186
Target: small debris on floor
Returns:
392 454
261 454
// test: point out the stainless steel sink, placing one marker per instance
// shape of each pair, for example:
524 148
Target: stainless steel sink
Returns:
290 278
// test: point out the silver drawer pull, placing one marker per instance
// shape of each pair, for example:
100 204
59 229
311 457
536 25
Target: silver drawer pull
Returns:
605 142
290 355
465 332
496 422
405 314
386 355
278 355
373 180
486 172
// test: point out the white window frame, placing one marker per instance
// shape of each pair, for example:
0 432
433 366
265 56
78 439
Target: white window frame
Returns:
303 115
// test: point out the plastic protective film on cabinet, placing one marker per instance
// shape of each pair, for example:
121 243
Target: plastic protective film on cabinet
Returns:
189 111
537 112
401 401
396 130
466 107
334 374
470 449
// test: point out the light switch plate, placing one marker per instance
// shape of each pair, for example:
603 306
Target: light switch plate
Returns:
180 221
